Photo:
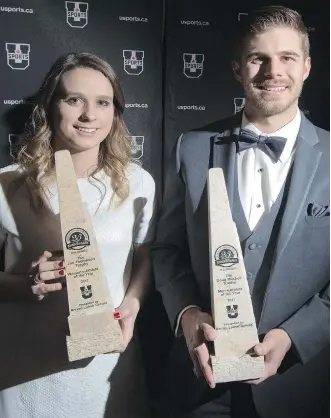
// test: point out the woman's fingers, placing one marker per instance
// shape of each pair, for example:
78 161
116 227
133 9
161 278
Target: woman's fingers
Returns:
50 270
44 288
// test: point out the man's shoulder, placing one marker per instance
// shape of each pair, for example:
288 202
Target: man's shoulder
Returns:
195 140
206 131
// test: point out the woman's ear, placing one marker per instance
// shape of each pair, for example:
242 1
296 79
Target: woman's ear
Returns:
236 70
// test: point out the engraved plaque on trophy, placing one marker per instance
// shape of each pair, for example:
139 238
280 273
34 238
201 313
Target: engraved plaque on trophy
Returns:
93 329
232 308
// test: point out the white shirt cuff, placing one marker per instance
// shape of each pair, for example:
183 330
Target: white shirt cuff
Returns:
178 329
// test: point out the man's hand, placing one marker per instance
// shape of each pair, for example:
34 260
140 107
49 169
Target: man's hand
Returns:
274 347
198 329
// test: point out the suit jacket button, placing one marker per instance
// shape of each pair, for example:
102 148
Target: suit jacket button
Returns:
252 246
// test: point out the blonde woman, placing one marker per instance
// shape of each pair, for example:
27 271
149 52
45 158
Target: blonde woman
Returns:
80 108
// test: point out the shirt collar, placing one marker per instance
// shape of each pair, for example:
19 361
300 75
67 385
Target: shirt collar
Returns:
289 131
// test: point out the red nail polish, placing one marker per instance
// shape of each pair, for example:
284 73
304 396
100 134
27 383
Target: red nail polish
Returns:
117 315
61 272
61 264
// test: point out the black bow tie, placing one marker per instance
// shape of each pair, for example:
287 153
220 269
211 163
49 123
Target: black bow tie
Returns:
273 146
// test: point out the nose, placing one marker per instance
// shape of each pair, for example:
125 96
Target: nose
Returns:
273 68
88 113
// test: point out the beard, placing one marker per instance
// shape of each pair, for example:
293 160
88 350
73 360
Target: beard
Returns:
267 104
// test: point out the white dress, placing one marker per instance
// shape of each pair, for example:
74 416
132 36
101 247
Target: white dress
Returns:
36 378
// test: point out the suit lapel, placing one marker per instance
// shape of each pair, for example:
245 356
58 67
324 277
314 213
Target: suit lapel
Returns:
305 165
224 154
220 152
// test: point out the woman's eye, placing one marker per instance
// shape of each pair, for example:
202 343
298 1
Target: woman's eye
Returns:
73 100
104 102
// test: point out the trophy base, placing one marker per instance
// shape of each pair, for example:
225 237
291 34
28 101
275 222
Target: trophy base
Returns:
90 345
231 369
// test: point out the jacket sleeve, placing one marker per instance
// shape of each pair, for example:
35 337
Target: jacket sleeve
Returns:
174 277
309 327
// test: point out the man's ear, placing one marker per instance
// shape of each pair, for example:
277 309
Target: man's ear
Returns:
236 70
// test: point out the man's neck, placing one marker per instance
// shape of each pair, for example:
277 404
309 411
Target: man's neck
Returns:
270 124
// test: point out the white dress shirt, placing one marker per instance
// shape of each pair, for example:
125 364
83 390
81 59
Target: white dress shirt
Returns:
259 179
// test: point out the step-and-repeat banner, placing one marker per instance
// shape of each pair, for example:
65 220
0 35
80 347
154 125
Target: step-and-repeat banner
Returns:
127 33
200 86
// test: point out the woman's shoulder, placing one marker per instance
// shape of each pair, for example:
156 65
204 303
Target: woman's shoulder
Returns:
140 178
9 174
10 168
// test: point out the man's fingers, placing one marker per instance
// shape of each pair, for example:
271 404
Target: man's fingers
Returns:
262 349
203 357
209 332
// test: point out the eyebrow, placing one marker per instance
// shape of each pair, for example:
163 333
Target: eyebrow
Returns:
261 54
102 96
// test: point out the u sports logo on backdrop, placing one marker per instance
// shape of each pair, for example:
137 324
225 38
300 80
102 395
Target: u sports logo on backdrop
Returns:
239 103
77 14
133 61
193 65
137 147
18 55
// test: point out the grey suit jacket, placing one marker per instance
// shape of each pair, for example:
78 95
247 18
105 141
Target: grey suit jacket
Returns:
297 294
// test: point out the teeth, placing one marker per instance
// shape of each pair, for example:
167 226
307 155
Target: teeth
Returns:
86 129
275 88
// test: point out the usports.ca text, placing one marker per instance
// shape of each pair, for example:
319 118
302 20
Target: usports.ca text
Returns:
12 102
133 19
141 105
191 107
195 22
15 9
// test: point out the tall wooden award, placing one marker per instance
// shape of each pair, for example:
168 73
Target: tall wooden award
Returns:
93 329
232 308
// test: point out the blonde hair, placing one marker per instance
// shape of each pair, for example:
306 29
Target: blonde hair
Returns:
36 155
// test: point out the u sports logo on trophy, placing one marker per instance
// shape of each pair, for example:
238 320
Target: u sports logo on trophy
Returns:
232 311
77 14
239 103
193 65
133 61
18 56
137 147
13 141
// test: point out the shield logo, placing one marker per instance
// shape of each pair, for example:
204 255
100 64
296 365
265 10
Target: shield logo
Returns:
193 65
18 56
133 61
239 103
232 311
86 291
137 147
13 142
77 14
242 16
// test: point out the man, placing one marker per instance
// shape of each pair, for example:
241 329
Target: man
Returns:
276 166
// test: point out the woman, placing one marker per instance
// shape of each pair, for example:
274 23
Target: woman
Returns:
80 108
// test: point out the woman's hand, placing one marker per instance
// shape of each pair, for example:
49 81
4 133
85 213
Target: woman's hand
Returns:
45 270
127 313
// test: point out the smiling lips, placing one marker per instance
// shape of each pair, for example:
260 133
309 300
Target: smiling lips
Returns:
85 130
272 89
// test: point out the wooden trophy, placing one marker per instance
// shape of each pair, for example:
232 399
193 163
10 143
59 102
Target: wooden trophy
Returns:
232 308
93 329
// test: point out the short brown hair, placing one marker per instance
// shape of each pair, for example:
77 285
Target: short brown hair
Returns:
267 17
